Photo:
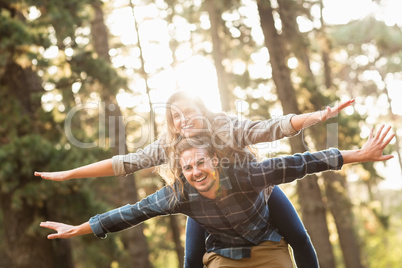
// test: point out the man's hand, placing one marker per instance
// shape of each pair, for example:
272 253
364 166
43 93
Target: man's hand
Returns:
372 150
374 147
65 230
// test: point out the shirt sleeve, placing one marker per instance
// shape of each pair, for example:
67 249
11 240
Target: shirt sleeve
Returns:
152 155
287 169
248 132
160 203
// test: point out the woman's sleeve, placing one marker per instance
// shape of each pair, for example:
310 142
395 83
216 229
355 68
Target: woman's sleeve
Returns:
246 132
152 155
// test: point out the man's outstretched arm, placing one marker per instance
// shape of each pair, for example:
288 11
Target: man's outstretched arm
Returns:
289 168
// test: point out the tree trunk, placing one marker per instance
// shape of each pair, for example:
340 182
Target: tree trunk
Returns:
134 238
175 229
394 119
216 35
340 205
24 250
326 47
313 208
174 225
341 214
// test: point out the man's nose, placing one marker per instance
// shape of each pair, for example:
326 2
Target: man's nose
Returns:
197 171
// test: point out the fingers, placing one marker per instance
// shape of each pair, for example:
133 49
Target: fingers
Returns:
345 104
386 157
57 226
53 236
325 114
384 133
371 134
49 224
382 139
54 176
388 140
330 112
41 174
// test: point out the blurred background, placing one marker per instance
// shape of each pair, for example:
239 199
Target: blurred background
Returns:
81 81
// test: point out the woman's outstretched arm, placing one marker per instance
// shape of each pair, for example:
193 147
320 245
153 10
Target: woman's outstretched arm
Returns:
302 121
99 169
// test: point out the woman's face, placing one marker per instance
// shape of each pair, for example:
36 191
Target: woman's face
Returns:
188 120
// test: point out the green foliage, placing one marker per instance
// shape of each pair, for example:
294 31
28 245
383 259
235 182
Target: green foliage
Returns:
369 30
18 34
97 69
13 31
21 156
381 236
63 16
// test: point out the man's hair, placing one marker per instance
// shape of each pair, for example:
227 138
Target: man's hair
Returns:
172 173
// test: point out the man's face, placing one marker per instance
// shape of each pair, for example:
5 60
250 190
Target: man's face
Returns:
187 118
200 170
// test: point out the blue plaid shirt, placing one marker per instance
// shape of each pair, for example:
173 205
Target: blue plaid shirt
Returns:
238 218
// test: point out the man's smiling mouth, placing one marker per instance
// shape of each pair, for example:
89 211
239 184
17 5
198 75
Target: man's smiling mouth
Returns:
202 179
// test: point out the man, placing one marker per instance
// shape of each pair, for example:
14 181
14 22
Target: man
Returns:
228 201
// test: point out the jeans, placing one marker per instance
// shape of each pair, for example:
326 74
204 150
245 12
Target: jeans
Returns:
282 214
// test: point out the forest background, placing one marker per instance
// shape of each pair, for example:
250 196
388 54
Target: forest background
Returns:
81 81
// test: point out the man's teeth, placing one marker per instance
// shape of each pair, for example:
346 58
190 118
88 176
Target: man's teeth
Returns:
199 180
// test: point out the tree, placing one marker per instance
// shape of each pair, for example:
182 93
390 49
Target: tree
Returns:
26 143
134 239
313 209
214 11
335 183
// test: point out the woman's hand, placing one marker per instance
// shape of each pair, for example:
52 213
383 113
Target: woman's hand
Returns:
65 230
53 176
331 112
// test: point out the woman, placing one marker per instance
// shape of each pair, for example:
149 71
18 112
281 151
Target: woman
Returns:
187 116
